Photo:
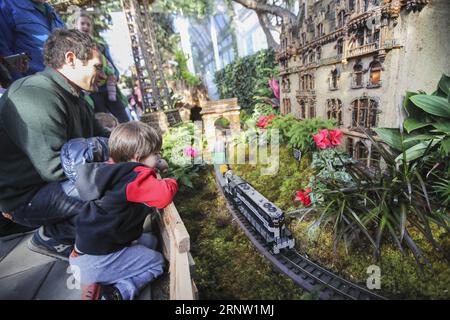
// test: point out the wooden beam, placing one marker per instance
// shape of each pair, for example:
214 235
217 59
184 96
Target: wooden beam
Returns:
176 246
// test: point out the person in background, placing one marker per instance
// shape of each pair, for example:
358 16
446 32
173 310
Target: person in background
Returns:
114 257
25 25
108 99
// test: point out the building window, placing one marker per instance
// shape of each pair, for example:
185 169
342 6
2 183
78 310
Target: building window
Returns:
287 105
334 110
365 5
304 38
286 84
306 82
360 37
312 109
341 19
364 113
320 31
334 75
311 57
319 53
351 5
374 75
357 76
340 46
361 151
302 109
350 146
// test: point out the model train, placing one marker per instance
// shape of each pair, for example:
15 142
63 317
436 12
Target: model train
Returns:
266 218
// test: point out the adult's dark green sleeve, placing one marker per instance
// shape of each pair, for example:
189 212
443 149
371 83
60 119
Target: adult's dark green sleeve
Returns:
38 127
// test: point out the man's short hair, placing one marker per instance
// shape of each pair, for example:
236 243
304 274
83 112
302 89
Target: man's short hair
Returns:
133 139
62 41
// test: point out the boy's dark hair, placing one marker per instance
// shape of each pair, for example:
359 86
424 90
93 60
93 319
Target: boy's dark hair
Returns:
62 41
107 120
133 139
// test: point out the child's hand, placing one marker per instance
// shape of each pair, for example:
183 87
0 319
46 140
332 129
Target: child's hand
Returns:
162 166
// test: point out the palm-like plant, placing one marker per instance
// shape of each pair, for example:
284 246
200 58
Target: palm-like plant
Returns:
406 193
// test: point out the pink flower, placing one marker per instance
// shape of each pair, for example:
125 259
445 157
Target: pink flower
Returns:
303 197
263 121
273 84
322 140
335 137
190 152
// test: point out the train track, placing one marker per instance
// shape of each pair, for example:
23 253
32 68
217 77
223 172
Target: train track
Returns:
304 272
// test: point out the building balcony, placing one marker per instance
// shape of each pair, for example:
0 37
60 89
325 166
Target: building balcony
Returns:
362 50
332 86
331 60
371 85
305 93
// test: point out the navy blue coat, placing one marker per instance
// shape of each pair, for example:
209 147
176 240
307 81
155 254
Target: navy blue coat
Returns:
23 28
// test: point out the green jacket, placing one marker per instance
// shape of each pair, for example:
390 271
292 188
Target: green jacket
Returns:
38 114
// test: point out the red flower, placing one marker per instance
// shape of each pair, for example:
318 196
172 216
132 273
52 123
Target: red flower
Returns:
321 139
273 84
335 137
190 152
263 121
303 196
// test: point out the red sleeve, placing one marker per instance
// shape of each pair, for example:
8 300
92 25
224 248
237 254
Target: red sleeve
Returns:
147 188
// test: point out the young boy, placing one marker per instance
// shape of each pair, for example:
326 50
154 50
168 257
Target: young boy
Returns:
111 264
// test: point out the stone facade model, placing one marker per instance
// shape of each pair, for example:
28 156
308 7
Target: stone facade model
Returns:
353 60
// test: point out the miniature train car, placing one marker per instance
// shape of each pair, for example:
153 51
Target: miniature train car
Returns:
266 218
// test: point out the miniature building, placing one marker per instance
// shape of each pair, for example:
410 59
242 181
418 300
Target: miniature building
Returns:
353 60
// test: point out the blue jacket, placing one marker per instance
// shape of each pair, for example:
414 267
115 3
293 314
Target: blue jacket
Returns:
23 28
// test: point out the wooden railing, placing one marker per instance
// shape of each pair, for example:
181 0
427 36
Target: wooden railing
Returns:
176 247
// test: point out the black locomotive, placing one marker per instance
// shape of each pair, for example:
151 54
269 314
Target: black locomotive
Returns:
263 215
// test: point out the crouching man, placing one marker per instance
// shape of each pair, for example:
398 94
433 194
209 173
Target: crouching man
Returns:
38 114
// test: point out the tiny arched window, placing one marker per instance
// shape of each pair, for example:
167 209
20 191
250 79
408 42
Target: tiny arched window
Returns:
340 46
320 30
357 76
375 74
341 19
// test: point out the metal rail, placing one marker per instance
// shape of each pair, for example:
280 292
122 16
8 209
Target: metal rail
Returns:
304 272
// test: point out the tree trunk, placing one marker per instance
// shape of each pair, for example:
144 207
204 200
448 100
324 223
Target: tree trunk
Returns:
263 21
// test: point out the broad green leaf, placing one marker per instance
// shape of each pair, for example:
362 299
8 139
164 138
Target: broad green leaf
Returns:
444 84
434 105
445 145
420 137
439 93
410 108
443 126
417 151
390 136
412 124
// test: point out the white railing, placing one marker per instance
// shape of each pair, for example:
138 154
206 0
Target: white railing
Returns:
364 49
